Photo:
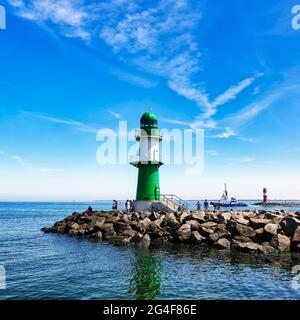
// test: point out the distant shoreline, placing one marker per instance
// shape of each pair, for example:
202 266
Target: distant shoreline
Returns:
278 204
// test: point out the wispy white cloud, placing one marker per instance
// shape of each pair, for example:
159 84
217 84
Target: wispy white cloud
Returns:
256 90
135 79
174 121
71 16
254 109
204 124
235 122
28 165
13 157
157 37
115 114
68 122
227 133
230 94
209 108
17 158
247 139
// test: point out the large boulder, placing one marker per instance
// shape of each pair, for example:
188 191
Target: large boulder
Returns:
112 219
224 217
170 217
295 245
184 232
137 237
277 219
97 224
267 248
73 225
47 230
81 232
89 230
154 216
73 232
121 226
296 236
245 230
271 228
199 216
289 225
128 233
219 234
107 227
248 214
207 228
242 239
124 218
214 216
259 223
159 221
194 224
240 229
144 224
281 242
184 216
262 236
205 231
222 243
196 237
98 235
271 214
62 228
247 246
210 225
221 226
146 238
242 221
155 231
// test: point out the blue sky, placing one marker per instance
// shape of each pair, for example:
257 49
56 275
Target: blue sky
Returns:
69 68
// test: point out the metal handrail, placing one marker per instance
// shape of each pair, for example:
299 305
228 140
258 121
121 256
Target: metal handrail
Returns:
175 200
169 203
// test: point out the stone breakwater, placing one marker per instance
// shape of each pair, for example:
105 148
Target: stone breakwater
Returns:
257 231
278 203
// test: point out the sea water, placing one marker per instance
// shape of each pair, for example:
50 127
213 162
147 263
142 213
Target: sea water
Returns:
52 266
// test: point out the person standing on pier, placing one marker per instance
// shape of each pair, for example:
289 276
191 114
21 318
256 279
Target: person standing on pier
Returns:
115 205
127 206
206 205
198 206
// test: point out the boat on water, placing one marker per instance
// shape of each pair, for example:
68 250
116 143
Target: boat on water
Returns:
225 201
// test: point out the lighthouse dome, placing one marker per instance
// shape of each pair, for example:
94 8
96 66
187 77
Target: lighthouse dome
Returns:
148 119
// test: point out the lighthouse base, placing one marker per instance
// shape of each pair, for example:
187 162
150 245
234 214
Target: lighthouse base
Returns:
145 205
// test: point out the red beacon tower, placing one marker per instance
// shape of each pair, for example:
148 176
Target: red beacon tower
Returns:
265 196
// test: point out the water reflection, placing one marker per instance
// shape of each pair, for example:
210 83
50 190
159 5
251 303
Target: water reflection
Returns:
196 254
208 270
145 282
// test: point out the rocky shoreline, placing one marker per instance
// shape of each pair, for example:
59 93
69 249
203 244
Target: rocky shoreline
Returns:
259 231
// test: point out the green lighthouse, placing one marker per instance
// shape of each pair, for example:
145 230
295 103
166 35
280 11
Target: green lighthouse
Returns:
148 163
